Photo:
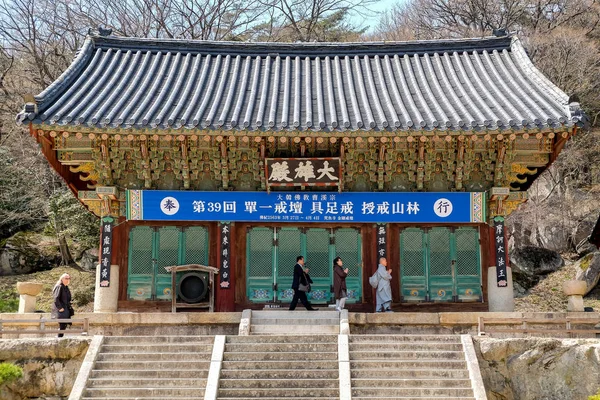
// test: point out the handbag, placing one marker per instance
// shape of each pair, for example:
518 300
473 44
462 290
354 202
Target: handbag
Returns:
374 280
304 288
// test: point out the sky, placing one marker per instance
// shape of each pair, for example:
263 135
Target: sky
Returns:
378 8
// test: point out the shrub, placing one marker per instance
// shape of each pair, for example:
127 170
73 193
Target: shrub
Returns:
9 372
595 396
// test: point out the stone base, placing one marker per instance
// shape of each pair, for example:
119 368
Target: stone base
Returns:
26 304
500 299
106 299
575 303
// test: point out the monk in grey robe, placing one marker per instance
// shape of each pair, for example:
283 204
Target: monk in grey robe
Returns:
384 289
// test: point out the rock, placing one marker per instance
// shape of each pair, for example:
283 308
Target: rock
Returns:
519 291
30 288
582 230
588 270
530 264
539 368
25 253
89 259
50 366
584 247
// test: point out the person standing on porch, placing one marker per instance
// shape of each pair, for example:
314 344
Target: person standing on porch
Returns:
301 281
61 306
339 283
384 289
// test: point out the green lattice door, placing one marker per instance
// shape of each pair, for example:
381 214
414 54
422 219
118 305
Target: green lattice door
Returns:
271 255
151 249
260 264
468 264
413 262
440 264
348 245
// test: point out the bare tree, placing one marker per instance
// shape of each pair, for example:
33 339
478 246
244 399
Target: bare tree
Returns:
314 20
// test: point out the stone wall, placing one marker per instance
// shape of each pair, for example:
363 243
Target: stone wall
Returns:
50 366
539 368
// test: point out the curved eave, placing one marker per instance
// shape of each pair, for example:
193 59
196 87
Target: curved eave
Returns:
465 85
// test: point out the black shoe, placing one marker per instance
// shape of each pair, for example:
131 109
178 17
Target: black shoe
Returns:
312 309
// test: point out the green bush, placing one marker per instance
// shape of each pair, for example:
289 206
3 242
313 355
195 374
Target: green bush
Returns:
9 372
9 302
595 396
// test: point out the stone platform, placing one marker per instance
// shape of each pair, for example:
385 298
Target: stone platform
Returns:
204 323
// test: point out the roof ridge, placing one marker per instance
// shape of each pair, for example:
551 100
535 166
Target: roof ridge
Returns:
306 48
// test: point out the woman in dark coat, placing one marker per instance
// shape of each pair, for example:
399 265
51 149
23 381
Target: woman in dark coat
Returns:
339 283
61 307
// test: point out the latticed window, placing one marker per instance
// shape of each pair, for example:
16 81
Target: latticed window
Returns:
151 249
440 264
271 255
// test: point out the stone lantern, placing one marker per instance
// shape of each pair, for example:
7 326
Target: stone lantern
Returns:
28 291
575 290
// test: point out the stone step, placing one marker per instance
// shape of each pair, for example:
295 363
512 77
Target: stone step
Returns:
145 398
411 392
305 392
290 357
152 365
148 373
282 339
306 329
281 347
297 313
404 338
387 365
410 398
289 384
278 365
154 356
279 398
141 340
118 382
403 346
410 373
387 382
144 393
280 373
295 321
406 355
157 348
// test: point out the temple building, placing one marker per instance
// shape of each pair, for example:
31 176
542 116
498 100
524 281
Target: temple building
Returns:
242 156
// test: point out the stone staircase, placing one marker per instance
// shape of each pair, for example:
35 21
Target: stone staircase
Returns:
299 367
409 367
150 367
297 322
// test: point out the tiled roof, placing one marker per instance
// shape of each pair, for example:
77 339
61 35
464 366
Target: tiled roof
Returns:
467 84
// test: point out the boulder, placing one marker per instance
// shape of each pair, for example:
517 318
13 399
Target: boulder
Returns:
30 288
50 366
539 368
530 264
584 247
25 253
588 270
89 259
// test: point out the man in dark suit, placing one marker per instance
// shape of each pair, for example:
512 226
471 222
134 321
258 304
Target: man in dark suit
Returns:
300 277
